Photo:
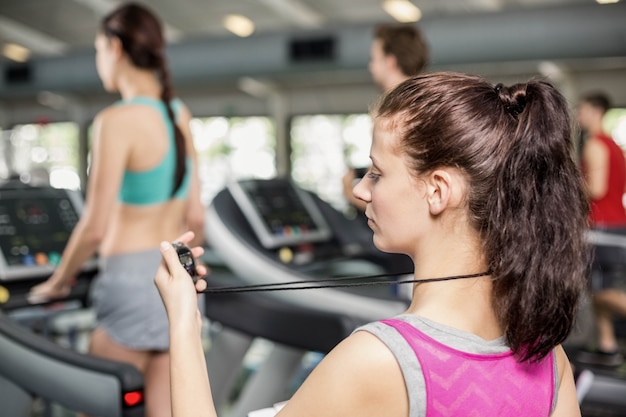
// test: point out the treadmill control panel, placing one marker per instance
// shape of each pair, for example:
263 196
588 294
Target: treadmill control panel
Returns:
35 225
280 213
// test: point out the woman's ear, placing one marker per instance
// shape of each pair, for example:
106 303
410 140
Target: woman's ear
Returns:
116 46
439 189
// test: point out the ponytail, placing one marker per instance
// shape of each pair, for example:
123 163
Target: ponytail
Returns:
537 216
179 138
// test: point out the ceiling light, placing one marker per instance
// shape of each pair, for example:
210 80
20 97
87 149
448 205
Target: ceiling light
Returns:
53 100
255 87
606 1
16 52
38 42
296 11
402 10
239 25
551 70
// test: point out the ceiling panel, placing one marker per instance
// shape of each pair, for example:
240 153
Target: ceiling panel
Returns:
74 22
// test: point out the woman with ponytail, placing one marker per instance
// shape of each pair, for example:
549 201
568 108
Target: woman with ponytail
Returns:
142 188
477 184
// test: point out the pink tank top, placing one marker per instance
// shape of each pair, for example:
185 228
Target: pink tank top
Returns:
462 384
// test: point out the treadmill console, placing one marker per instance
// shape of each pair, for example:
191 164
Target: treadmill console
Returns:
35 225
280 213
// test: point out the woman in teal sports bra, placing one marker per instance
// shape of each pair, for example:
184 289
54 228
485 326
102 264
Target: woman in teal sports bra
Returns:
143 188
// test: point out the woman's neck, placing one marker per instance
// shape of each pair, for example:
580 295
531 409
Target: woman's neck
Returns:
465 304
139 83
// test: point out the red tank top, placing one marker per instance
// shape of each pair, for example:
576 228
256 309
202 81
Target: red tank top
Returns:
462 384
608 211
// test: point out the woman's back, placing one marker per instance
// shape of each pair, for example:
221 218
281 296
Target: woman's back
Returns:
139 133
451 372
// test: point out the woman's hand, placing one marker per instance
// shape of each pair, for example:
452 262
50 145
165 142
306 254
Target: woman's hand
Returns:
178 292
47 291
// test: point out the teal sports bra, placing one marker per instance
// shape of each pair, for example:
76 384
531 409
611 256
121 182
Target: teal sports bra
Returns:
155 185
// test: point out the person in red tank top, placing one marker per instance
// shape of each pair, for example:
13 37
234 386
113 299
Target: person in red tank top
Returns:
604 166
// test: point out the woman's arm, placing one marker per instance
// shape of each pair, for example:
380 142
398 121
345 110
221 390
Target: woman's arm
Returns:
567 402
359 377
189 380
109 152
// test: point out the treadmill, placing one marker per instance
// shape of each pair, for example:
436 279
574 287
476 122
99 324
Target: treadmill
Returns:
274 232
607 394
35 224
33 366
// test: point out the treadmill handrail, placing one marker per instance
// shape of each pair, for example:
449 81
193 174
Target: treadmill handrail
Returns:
75 380
599 238
230 248
288 324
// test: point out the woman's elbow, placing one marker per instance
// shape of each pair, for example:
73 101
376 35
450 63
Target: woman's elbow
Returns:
93 236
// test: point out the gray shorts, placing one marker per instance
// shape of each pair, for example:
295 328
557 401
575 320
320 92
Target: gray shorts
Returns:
127 303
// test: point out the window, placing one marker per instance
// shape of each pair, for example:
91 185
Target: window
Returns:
323 147
615 125
233 148
43 154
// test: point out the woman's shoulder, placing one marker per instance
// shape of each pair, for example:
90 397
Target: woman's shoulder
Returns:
129 112
116 112
364 355
129 108
360 373
114 126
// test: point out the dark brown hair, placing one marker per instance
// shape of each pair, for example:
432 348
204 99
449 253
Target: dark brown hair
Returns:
141 35
525 192
598 100
407 44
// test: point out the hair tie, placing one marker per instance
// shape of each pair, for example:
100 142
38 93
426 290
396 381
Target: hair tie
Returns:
517 108
514 105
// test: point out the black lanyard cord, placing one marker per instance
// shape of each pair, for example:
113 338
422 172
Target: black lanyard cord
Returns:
332 283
